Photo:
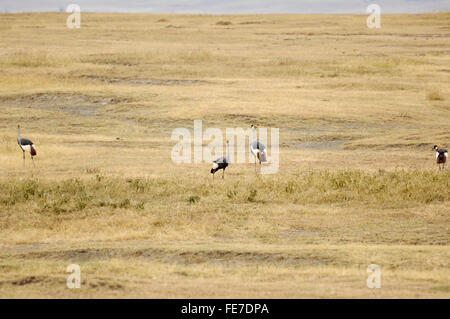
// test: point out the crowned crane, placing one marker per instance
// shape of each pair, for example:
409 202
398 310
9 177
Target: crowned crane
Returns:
257 148
221 163
26 145
441 155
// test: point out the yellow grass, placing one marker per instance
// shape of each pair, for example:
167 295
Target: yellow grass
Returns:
358 110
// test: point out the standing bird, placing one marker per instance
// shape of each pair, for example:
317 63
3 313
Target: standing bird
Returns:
25 145
441 156
221 163
257 148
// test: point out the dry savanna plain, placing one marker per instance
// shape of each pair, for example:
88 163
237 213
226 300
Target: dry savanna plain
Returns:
358 111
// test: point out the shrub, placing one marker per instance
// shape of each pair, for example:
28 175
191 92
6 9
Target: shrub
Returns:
252 195
193 199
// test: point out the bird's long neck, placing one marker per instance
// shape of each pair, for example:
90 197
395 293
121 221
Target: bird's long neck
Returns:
228 153
18 134
253 134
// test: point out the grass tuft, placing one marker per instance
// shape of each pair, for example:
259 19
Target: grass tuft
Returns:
223 23
435 95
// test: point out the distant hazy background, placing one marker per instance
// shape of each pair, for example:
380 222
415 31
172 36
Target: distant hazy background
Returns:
228 6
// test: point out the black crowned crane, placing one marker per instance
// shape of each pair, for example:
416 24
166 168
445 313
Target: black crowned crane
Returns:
221 163
26 145
441 155
257 148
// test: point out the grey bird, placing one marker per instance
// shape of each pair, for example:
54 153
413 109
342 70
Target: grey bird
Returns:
221 163
257 148
26 145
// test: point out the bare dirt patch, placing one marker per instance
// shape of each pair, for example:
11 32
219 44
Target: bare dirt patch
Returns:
293 233
320 145
33 280
79 105
185 257
26 281
138 81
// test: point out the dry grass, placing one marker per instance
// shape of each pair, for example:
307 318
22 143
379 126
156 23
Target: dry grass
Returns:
435 96
224 23
357 184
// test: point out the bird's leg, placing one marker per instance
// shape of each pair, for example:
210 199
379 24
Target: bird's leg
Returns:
255 164
23 152
32 160
213 175
223 174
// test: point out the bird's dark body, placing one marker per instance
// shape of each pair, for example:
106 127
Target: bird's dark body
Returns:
221 164
441 159
27 142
